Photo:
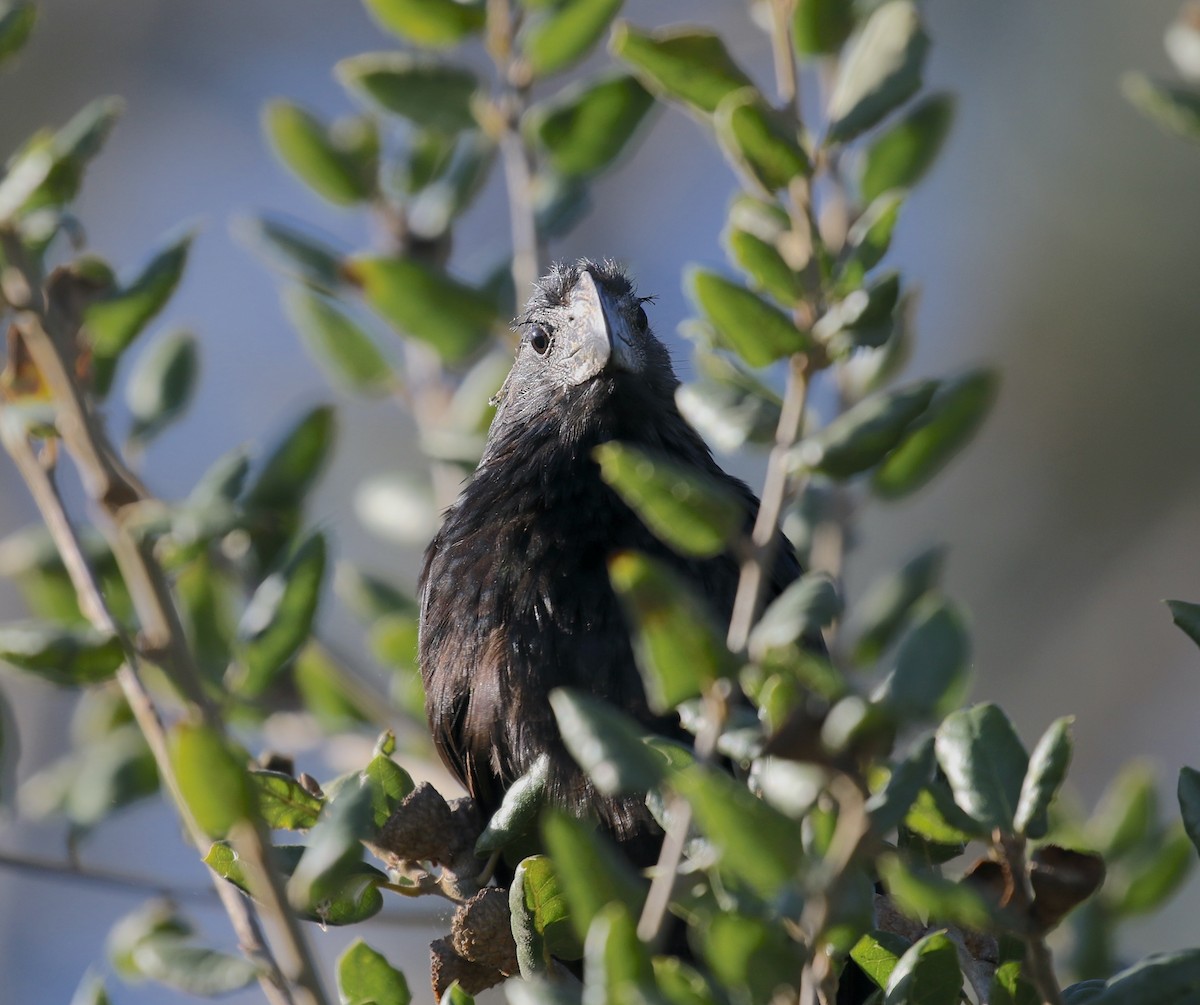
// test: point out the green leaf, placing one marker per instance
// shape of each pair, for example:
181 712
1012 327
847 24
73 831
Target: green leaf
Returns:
541 921
585 127
865 434
566 34
677 647
936 819
114 322
804 608
16 24
606 743
1082 991
455 995
932 664
426 304
746 324
279 617
685 507
877 954
388 784
1047 770
1189 802
984 762
821 27
1009 989
1127 813
154 919
338 342
293 463
284 803
295 251
880 72
930 896
365 977
885 607
763 265
427 92
758 141
751 956
891 804
212 780
91 991
1187 617
869 239
1175 109
904 152
689 65
616 964
322 683
590 870
68 655
518 811
1154 874
955 414
116 771
162 384
306 148
1157 979
927 974
757 843
194 970
334 852
433 23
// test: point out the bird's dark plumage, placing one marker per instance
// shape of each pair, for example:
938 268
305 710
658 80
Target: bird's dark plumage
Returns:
515 593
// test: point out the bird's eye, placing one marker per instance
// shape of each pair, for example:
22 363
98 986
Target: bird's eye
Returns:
539 341
643 322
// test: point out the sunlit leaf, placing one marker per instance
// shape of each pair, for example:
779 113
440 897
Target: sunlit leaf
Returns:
759 141
756 331
686 64
566 33
212 779
927 974
751 955
518 810
803 609
821 27
429 93
541 920
306 147
984 762
365 977
605 742
284 803
338 342
429 22
388 784
71 656
904 152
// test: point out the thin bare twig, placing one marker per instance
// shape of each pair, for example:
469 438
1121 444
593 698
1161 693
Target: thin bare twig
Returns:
1038 964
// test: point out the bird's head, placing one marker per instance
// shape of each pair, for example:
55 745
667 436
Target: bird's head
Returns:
585 338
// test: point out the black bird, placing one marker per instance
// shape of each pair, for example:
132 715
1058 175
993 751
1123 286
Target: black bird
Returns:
515 592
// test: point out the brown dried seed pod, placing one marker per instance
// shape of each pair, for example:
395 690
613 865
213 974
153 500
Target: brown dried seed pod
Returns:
420 829
482 931
446 967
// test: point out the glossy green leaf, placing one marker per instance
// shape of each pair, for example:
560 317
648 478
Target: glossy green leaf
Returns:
877 954
1186 617
213 781
885 606
677 646
803 609
762 263
162 384
927 974
881 70
605 742
687 64
589 869
433 23
66 655
541 920
984 762
293 250
932 664
1175 109
1008 987
279 617
686 508
338 342
752 957
191 969
1047 771
821 27
518 811
566 33
365 977
757 843
952 419
426 304
16 24
1157 979
904 152
294 463
1188 791
284 803
388 784
585 127
429 93
744 323
759 141
307 149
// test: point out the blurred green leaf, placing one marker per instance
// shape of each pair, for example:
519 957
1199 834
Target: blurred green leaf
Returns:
935 818
388 784
455 995
759 141
1047 771
677 647
891 804
72 656
194 970
426 304
684 507
746 324
434 207
932 664
91 991
321 682
885 607
365 977
685 64
1188 791
904 152
751 956
763 265
162 384
881 70
1157 979
870 237
984 762
1187 617
427 92
279 617
338 342
566 33
307 149
803 609
927 974
284 803
1127 814
605 742
1154 874
154 919
432 23
213 781
113 771
333 856
1175 109
16 24
952 419
616 964
295 251
293 464
585 127
518 811
821 27
877 954
1008 988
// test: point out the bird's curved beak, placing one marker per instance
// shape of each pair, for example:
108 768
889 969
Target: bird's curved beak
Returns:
598 332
